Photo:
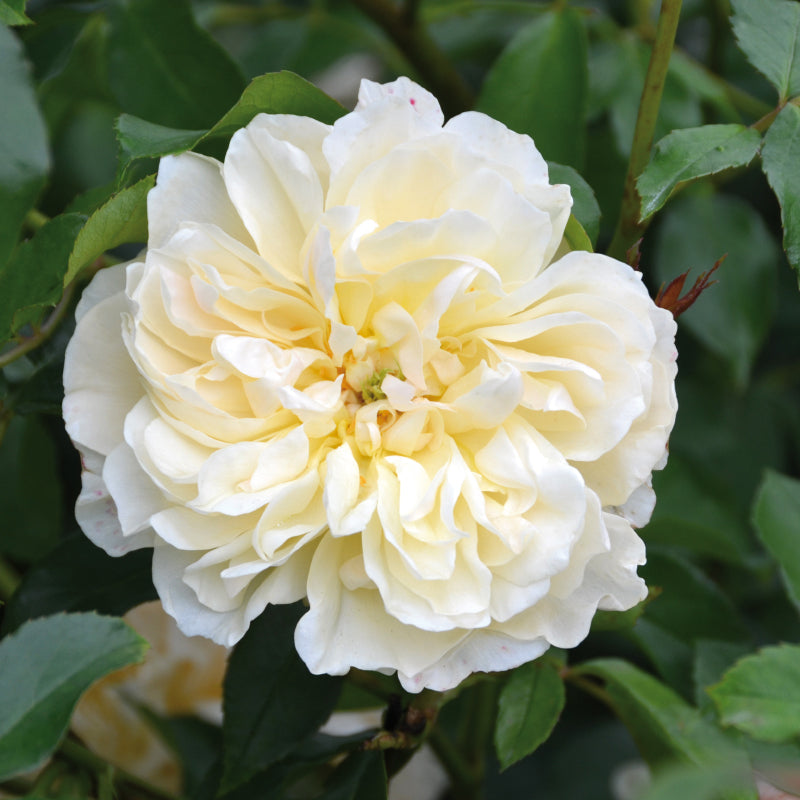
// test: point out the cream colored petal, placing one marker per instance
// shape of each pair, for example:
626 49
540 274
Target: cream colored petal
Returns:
190 188
135 496
382 122
345 629
97 515
277 193
347 511
101 384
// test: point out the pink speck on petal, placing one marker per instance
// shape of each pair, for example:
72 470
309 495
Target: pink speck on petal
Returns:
412 101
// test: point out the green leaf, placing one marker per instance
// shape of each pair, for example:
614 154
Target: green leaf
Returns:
576 237
122 219
768 31
732 318
708 783
30 492
691 153
663 725
585 207
361 776
24 155
139 138
165 68
78 576
276 93
760 694
692 513
781 159
271 701
539 85
12 12
529 707
711 659
45 667
776 516
33 278
689 607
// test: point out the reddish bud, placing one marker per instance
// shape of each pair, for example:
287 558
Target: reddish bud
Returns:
669 296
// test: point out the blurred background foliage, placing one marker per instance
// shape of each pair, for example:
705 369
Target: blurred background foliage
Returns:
93 92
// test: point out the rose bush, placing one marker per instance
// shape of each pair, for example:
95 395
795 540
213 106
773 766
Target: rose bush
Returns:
357 364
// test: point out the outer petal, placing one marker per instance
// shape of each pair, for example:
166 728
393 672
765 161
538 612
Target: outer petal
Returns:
190 188
100 383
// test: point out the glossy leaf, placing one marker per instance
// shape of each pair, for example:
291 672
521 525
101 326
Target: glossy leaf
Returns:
278 93
664 726
12 12
585 207
691 153
769 33
122 219
33 278
760 694
45 667
539 85
732 318
79 576
776 516
139 138
275 93
24 159
164 68
781 159
271 701
529 707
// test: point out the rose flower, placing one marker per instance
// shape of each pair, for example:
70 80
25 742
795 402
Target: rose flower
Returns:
357 365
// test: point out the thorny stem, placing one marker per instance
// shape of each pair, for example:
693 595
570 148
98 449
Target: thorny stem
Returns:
629 229
43 332
78 754
422 52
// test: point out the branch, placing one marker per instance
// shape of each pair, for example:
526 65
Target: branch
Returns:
422 53
43 332
629 229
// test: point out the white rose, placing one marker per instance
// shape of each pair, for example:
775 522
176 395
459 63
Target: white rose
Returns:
351 368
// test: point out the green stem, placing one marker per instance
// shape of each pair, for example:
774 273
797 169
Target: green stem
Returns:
9 579
588 686
78 754
422 53
457 767
480 727
42 333
629 229
35 219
